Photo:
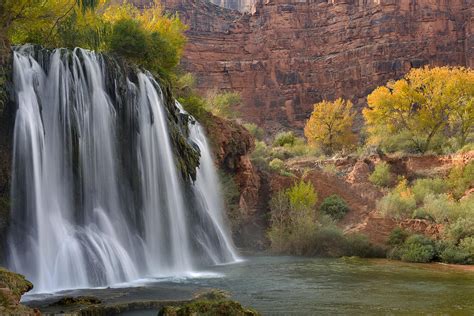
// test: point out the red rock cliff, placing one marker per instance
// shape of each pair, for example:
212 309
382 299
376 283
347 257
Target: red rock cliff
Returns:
290 54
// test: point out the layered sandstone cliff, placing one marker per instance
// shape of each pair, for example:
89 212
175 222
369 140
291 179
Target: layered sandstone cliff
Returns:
289 54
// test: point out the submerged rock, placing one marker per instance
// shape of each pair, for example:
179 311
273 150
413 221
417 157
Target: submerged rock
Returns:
79 300
209 303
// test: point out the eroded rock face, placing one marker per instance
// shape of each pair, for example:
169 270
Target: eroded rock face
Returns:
289 54
12 287
6 135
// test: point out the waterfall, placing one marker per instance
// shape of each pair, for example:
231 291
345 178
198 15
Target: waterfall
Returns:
97 198
208 192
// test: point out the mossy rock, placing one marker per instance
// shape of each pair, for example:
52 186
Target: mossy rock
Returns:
12 287
79 300
209 303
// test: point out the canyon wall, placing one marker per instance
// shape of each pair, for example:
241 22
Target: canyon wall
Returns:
289 54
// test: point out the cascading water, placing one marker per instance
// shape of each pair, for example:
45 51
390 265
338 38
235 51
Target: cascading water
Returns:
208 192
96 195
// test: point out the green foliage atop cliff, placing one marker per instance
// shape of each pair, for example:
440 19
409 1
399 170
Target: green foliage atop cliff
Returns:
148 37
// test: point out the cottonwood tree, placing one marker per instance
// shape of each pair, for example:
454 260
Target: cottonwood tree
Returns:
428 103
330 126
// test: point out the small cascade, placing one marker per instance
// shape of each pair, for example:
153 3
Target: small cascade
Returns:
97 198
208 192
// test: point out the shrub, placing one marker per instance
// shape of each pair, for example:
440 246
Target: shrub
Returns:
360 246
397 236
399 203
255 131
328 241
456 255
223 104
129 39
330 168
420 213
259 155
417 248
467 148
462 228
439 207
279 239
335 207
284 138
302 196
196 106
293 221
381 175
276 165
460 179
422 187
467 245
301 148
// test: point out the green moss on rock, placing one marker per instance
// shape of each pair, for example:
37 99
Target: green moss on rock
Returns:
209 303
79 300
12 287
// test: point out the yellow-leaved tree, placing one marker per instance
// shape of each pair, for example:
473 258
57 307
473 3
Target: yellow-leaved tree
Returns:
423 110
330 126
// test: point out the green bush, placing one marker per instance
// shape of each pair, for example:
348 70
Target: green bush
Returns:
302 196
397 237
423 187
461 228
360 246
397 204
129 39
460 179
300 148
254 130
420 213
259 156
335 207
276 165
223 104
282 153
293 220
417 248
456 255
460 253
439 207
284 138
328 241
195 106
381 175
150 50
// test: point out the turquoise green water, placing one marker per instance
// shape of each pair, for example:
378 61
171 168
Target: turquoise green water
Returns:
312 286
288 285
